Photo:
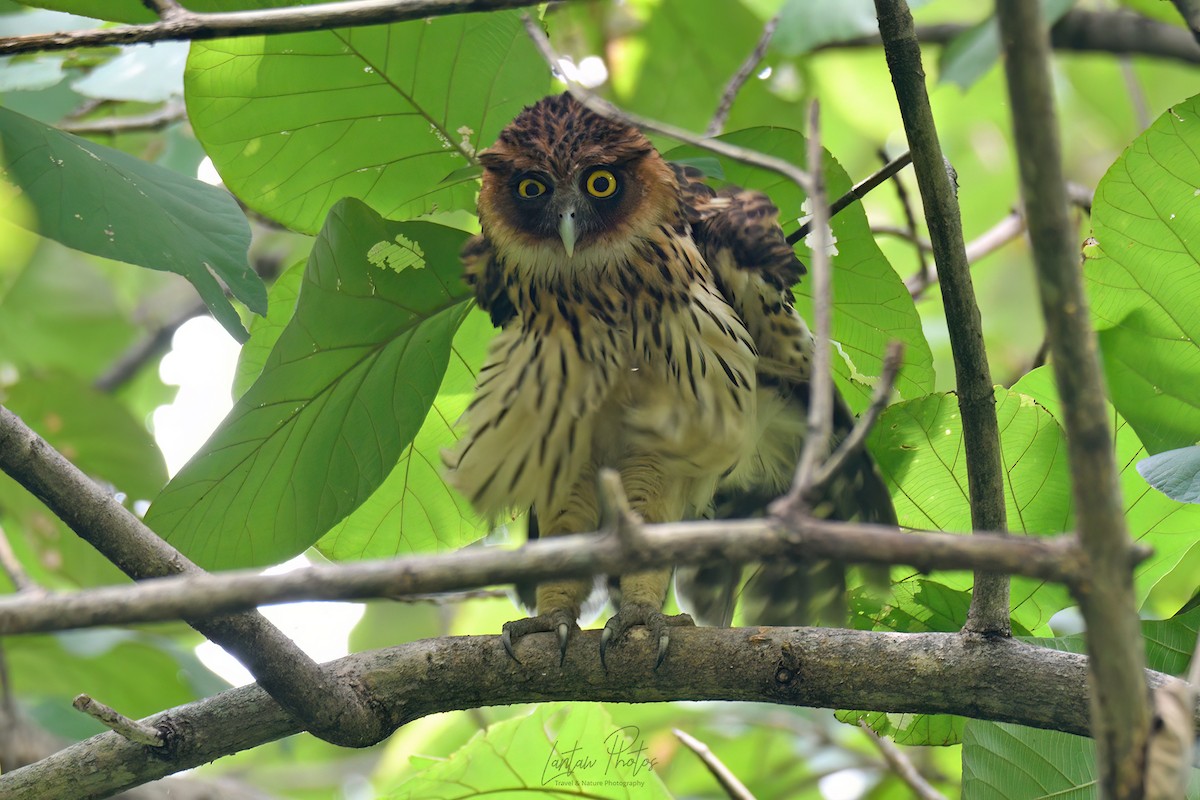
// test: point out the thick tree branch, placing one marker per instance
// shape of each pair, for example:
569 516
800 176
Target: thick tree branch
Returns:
331 710
1120 700
1057 559
1078 30
992 679
192 26
989 611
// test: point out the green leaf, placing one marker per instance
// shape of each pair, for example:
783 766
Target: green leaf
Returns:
345 389
805 25
573 752
97 434
871 305
385 113
415 510
1143 283
1011 762
1169 527
973 52
102 201
266 330
675 49
1175 473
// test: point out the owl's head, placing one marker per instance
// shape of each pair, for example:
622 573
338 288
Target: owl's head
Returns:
564 182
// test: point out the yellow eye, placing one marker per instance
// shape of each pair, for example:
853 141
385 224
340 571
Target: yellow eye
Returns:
601 183
531 188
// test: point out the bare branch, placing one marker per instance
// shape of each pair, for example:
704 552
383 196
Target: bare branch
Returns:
1120 707
134 731
725 777
902 766
154 120
192 26
820 405
1190 11
14 569
606 109
334 711
989 612
857 192
857 437
578 555
1080 30
717 124
996 679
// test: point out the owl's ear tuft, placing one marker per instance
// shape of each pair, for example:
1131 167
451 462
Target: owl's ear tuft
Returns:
492 160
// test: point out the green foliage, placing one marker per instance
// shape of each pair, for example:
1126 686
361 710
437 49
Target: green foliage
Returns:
1143 281
1175 473
102 201
390 114
344 390
352 383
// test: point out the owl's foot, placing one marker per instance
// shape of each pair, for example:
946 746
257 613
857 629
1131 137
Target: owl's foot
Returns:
658 623
561 622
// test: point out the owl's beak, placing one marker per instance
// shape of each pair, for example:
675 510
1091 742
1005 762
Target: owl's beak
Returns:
566 230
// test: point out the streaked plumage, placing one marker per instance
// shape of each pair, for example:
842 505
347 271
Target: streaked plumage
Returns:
646 325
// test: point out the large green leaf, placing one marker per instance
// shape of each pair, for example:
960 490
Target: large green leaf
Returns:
871 305
919 447
415 510
1169 527
386 113
344 390
1175 473
266 330
1011 762
976 50
573 752
1144 279
102 201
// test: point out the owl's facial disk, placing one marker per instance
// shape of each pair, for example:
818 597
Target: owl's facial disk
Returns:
574 209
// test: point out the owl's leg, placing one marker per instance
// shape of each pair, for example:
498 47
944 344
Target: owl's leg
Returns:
656 498
559 602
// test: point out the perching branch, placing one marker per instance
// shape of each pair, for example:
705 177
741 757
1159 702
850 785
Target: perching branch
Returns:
330 710
989 612
1121 708
193 26
1001 680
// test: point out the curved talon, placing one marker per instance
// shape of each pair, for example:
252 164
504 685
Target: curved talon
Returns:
605 637
564 633
658 624
664 639
506 640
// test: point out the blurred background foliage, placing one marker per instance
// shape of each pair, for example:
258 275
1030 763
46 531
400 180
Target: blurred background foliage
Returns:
291 124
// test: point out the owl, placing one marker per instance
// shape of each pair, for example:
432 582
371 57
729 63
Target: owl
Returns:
646 324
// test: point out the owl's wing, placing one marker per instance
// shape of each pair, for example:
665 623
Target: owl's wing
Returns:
483 274
739 236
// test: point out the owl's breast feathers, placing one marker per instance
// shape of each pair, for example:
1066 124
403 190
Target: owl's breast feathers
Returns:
625 350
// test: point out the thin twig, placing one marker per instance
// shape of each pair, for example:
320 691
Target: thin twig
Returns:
915 239
1056 558
151 121
616 514
606 109
1006 230
740 77
902 766
910 219
725 777
820 405
192 26
145 350
857 192
14 569
166 9
857 437
131 729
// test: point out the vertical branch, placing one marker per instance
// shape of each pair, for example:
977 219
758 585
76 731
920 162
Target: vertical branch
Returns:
989 613
1120 708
